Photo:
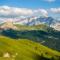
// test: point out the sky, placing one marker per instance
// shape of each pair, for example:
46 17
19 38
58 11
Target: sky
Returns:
23 8
31 3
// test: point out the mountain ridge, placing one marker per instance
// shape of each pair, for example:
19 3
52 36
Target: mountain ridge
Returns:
31 21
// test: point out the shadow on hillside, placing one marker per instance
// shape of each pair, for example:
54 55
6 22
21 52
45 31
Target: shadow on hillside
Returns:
33 34
36 35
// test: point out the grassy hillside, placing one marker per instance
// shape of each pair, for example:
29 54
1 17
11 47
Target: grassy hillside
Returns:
24 49
35 27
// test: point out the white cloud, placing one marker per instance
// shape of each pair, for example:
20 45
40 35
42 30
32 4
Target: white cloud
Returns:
55 10
50 0
43 12
5 10
22 11
17 12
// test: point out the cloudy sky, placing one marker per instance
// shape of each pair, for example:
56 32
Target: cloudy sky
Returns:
23 8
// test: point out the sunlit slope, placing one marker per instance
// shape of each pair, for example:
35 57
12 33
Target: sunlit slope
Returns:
35 27
25 50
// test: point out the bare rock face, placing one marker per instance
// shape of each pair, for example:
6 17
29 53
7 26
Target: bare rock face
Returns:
8 25
56 26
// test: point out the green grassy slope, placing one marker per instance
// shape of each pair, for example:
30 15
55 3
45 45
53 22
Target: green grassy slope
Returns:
35 27
25 50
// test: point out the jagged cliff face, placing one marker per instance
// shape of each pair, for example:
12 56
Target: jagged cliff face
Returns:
8 25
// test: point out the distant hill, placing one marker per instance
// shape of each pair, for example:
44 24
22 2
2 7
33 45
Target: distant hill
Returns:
24 49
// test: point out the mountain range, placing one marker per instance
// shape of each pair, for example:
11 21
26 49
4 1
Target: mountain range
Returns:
49 21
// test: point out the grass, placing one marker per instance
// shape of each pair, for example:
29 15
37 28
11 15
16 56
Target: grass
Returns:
35 27
24 49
